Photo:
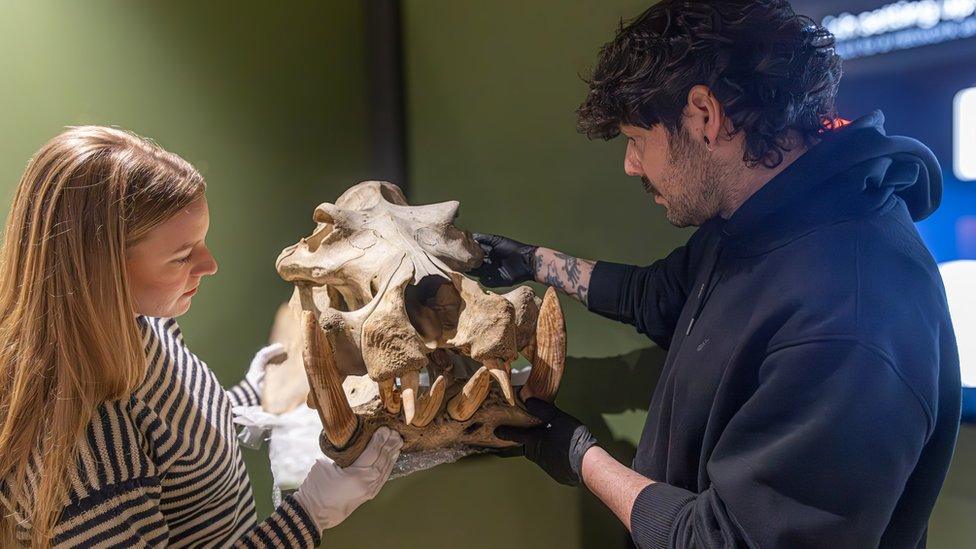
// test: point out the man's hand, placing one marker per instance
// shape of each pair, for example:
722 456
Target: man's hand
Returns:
507 262
557 446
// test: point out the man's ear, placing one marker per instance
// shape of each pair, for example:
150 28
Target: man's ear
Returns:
704 116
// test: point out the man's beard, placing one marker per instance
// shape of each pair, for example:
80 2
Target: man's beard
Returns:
694 176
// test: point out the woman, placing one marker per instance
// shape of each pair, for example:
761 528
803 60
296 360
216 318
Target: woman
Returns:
112 433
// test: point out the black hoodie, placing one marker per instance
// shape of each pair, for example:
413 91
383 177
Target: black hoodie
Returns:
810 396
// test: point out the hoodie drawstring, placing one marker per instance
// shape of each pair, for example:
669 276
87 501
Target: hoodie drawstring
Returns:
705 290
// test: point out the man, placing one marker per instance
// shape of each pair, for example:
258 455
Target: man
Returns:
810 395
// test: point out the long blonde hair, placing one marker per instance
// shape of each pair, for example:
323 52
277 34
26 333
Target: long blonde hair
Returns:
68 333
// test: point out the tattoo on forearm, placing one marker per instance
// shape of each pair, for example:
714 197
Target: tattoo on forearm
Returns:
552 277
584 294
563 272
571 265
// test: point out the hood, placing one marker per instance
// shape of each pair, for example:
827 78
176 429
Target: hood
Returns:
851 171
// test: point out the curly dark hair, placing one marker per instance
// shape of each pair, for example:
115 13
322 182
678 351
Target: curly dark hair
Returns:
771 69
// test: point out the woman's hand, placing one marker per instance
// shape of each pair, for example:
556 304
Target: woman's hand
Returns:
331 493
272 354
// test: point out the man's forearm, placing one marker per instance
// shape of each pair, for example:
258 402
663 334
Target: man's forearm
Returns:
568 274
615 484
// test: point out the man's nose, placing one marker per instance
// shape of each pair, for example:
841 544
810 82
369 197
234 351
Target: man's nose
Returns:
632 165
632 168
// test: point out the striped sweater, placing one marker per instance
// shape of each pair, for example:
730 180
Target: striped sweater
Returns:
163 467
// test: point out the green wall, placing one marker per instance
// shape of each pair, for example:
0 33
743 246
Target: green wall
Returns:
269 103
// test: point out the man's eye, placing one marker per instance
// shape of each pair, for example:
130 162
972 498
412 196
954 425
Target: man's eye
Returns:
184 259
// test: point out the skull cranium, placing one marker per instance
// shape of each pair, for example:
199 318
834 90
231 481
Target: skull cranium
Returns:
380 289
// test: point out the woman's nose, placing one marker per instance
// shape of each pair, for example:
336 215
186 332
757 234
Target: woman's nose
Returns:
207 265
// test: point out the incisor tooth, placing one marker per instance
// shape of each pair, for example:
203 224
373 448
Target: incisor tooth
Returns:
389 396
338 420
550 351
430 404
474 392
409 387
502 373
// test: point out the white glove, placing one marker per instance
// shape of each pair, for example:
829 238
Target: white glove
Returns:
330 493
272 354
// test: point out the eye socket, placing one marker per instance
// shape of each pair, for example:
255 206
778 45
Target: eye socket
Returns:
185 260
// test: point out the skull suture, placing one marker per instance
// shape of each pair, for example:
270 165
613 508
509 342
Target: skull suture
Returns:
380 289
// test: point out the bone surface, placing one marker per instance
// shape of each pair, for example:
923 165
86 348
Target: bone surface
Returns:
382 286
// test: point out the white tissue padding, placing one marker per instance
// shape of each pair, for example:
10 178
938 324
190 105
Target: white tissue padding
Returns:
293 444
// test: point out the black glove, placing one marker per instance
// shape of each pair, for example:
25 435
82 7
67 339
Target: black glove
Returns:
557 446
506 263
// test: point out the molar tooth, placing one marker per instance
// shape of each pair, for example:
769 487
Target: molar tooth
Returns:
409 389
430 404
389 396
502 373
474 392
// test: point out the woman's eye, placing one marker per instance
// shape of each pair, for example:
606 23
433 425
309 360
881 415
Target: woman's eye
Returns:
184 259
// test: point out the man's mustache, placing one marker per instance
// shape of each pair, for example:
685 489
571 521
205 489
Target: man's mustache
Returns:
648 186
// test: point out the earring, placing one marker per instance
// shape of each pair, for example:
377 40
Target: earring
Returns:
708 144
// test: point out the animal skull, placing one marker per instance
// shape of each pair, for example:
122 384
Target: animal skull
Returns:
380 291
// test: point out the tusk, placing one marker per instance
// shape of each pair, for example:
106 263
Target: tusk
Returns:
474 392
409 389
550 351
430 404
502 372
389 396
338 420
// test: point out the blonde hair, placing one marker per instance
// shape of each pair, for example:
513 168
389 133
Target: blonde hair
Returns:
68 333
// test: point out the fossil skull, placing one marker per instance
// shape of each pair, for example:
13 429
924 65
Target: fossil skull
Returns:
379 291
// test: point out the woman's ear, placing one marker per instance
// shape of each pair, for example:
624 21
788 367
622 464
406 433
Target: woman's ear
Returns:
704 116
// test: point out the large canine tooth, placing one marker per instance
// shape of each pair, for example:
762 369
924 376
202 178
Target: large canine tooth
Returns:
502 372
338 420
474 392
409 389
430 404
389 396
550 351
